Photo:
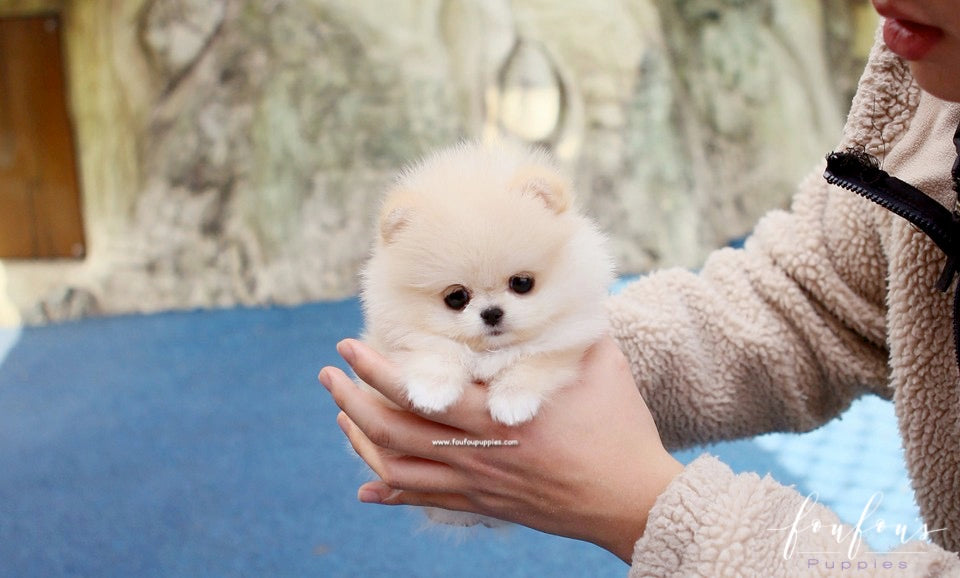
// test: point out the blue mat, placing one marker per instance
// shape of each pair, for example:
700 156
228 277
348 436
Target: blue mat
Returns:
201 444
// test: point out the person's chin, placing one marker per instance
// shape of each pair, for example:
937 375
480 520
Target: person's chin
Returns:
940 80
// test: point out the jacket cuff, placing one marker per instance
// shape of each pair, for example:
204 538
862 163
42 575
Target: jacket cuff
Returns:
713 521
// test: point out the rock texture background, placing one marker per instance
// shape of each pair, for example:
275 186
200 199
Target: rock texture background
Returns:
233 151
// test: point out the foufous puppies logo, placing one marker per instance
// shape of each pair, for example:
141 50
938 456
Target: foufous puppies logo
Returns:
804 538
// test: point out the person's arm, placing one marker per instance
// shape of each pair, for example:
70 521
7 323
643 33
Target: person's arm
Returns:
591 467
712 522
779 336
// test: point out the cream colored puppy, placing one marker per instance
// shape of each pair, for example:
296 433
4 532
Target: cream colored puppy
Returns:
485 272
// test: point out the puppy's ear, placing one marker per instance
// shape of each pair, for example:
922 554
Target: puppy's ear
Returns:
395 215
545 184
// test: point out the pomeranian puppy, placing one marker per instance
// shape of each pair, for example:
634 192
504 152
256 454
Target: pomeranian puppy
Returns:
484 271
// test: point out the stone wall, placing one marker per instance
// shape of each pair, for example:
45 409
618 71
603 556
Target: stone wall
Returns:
233 151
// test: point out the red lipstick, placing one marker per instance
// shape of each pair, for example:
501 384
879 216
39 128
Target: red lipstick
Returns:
907 38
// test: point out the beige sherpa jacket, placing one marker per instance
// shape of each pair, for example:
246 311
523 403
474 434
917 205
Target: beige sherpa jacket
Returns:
829 301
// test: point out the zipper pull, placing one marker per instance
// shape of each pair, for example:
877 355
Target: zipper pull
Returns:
946 277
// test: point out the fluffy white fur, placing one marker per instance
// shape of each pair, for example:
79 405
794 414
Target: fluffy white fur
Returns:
473 217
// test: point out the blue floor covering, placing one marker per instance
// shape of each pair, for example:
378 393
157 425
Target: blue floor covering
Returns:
201 444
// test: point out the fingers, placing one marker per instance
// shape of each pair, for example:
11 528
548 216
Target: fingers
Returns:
375 370
469 413
404 480
399 471
382 493
389 428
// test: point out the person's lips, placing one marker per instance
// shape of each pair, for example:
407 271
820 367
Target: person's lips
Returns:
910 40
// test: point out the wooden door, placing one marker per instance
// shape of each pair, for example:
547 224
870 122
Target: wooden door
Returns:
40 214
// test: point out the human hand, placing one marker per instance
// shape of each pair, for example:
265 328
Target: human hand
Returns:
589 466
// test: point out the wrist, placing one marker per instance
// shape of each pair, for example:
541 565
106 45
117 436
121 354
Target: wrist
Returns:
630 522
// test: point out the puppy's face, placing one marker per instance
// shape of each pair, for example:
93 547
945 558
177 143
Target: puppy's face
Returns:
485 316
478 258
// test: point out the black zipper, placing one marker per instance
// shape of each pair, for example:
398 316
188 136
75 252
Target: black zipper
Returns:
859 172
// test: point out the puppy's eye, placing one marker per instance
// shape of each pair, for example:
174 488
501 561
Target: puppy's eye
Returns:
456 297
521 284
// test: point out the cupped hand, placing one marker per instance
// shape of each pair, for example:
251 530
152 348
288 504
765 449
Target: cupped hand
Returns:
589 466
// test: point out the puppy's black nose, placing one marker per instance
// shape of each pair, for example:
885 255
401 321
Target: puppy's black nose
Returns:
491 315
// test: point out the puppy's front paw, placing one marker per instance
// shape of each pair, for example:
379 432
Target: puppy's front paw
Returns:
513 406
433 394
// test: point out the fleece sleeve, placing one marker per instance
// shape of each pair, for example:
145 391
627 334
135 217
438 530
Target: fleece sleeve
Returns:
778 336
712 522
